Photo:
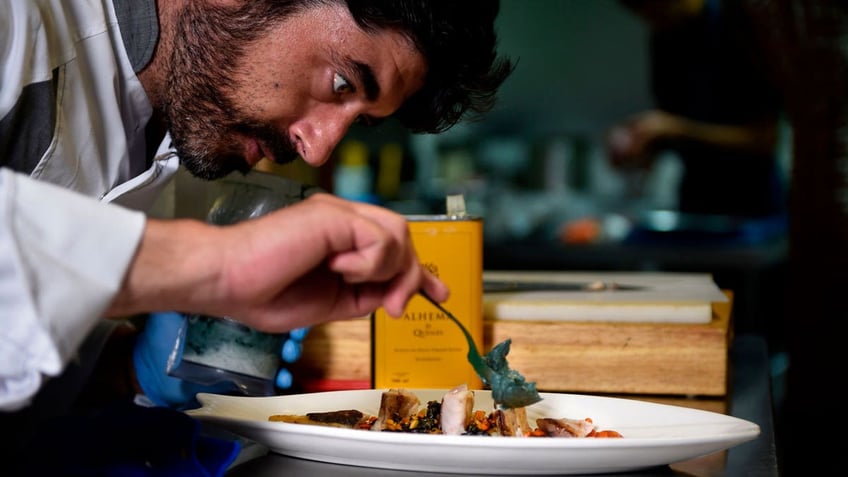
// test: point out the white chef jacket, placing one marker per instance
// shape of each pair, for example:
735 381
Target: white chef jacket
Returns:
72 145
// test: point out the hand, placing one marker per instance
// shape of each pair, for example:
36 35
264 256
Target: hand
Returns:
634 143
345 260
321 259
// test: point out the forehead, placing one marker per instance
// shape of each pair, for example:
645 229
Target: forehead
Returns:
328 34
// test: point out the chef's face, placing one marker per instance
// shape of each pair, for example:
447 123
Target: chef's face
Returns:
238 91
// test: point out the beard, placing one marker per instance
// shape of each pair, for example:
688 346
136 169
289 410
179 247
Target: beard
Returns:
205 124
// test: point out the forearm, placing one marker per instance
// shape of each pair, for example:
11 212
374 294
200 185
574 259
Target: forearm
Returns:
759 137
319 260
175 267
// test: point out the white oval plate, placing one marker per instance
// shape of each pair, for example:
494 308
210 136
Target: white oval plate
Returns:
654 434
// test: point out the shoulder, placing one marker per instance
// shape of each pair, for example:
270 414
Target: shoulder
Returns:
37 36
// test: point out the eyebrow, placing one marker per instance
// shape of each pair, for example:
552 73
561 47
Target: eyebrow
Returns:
365 75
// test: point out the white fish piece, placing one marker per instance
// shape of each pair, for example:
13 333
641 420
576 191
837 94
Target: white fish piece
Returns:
565 427
456 411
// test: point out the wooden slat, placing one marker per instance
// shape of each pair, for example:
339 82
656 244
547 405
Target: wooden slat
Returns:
636 358
615 358
339 350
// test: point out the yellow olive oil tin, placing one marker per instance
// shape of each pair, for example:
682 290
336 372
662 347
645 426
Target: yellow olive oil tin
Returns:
424 348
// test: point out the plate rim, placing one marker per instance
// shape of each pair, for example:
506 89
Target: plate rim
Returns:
662 450
746 427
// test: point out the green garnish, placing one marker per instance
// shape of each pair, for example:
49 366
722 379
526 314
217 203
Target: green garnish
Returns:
509 388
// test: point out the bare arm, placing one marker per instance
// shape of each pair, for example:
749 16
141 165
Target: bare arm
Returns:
637 139
320 260
756 137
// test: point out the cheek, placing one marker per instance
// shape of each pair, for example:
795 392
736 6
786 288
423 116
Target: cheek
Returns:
274 98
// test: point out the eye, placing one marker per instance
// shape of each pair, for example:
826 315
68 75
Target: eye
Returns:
341 85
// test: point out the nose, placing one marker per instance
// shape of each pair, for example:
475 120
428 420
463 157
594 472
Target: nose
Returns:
319 133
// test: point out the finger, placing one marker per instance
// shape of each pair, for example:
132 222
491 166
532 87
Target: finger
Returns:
410 282
379 249
374 263
434 287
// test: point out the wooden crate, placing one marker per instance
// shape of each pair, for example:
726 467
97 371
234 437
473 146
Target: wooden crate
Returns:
562 356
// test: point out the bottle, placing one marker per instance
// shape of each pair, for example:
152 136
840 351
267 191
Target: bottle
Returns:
352 178
210 349
389 171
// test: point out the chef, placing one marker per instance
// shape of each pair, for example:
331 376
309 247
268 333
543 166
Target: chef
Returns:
102 102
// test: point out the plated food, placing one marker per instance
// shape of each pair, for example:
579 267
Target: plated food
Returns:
401 410
654 434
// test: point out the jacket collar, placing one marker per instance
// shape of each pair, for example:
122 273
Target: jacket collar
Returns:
139 26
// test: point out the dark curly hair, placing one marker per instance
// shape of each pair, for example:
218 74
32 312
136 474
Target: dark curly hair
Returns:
456 37
458 41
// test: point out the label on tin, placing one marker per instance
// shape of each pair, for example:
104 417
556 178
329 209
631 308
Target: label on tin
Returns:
424 348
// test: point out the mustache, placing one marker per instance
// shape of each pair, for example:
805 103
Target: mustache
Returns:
278 145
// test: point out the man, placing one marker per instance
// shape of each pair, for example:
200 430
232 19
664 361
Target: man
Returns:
101 101
716 107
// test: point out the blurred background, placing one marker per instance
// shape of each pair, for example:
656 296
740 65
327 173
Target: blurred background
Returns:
544 169
537 168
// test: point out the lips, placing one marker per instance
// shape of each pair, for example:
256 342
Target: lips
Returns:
275 149
254 152
265 153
